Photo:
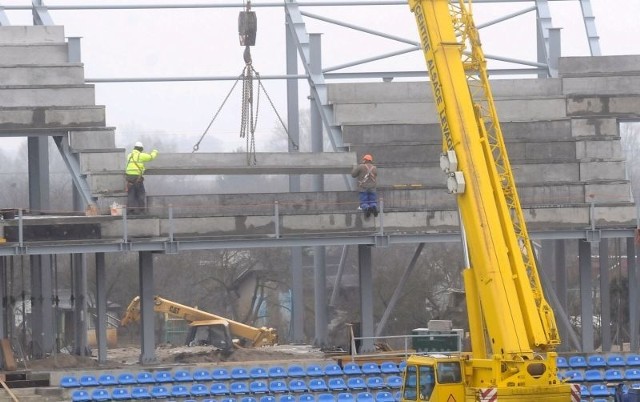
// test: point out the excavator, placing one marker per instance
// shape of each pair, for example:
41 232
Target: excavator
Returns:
512 327
206 328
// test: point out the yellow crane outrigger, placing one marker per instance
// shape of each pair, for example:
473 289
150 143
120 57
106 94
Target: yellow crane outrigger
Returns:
512 327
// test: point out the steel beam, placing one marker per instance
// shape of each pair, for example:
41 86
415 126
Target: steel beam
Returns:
586 299
42 334
590 28
147 314
365 274
71 161
79 268
605 295
101 307
633 284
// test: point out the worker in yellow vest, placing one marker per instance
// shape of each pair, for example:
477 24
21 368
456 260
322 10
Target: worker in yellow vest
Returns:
134 173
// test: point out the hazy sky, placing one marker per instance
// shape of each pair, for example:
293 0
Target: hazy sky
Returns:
204 42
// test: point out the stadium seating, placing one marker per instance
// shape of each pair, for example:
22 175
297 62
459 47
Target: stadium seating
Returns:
107 380
584 391
298 386
69 381
370 368
219 389
337 384
325 398
594 375
561 362
577 362
333 370
632 374
278 386
351 369
306 397
317 385
199 390
277 372
268 398
389 368
163 377
100 394
182 376
201 375
228 399
346 397
144 377
257 373
574 375
375 383
80 395
120 394
239 388
296 371
248 399
239 373
287 398
384 396
364 397
258 387
633 360
159 392
126 379
356 383
88 380
179 391
140 393
394 382
613 375
615 361
596 361
220 374
314 370
599 390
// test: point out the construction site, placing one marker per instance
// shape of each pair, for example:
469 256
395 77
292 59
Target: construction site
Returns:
561 118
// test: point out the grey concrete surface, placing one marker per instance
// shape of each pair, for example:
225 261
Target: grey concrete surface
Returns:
14 34
35 75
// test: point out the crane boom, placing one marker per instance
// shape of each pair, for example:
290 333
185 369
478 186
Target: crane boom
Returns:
512 327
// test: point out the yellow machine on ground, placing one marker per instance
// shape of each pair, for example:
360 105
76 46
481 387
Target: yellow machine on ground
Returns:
513 329
206 328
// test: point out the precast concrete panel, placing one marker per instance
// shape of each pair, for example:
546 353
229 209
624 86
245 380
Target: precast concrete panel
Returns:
602 170
34 54
92 139
47 96
31 34
613 65
595 127
103 161
66 74
604 149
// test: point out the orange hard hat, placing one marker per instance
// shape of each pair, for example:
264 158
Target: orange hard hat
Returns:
367 157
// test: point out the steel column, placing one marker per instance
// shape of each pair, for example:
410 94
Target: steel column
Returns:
605 297
590 27
101 308
147 315
586 300
543 25
42 335
297 297
320 296
79 267
632 269
4 301
555 51
365 273
336 283
561 283
38 151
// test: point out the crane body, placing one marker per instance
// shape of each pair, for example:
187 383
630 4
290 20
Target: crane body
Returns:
512 327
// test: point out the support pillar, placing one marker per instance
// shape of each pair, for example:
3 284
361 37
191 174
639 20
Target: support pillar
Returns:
147 315
586 301
101 308
4 313
320 293
365 273
79 266
42 336
632 269
559 262
605 297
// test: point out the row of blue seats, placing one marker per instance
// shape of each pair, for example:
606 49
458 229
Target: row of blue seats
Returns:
604 389
598 361
595 375
236 373
181 391
334 384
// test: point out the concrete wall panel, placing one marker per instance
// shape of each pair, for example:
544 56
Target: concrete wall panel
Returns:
546 172
595 127
31 34
608 192
106 183
91 140
102 161
601 85
596 170
611 65
47 96
75 117
69 74
34 54
606 149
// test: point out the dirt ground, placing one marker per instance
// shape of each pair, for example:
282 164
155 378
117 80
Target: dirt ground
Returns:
170 355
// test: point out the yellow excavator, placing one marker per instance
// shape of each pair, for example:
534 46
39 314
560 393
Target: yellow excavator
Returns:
512 327
206 328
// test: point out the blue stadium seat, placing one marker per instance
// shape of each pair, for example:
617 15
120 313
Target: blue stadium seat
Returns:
268 398
615 361
295 371
332 370
88 380
107 380
199 390
278 386
574 375
337 384
80 395
599 390
277 372
120 394
239 373
140 393
369 368
351 369
258 373
596 361
317 385
633 360
258 387
306 397
144 377
298 386
384 396
632 374
287 398
239 388
397 395
325 398
314 370
219 389
180 391
220 374
577 362
208 400
126 379
561 362
160 391
346 397
356 383
599 400
182 376
593 375
375 383
100 394
228 399
163 377
248 399
389 368
613 375
364 397
402 365
394 382
69 381
202 375
584 390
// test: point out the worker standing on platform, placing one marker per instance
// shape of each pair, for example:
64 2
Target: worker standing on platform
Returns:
136 194
367 174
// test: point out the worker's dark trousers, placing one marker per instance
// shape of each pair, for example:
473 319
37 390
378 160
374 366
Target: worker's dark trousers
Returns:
136 195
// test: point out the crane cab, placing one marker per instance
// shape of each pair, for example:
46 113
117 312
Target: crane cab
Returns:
429 378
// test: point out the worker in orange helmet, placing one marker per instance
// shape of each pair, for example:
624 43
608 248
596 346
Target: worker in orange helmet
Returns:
367 175
134 174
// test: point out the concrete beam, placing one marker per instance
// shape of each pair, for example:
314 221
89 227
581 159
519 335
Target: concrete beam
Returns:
52 117
37 96
44 74
31 34
54 53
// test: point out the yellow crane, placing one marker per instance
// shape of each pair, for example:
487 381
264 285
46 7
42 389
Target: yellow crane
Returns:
206 327
512 327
